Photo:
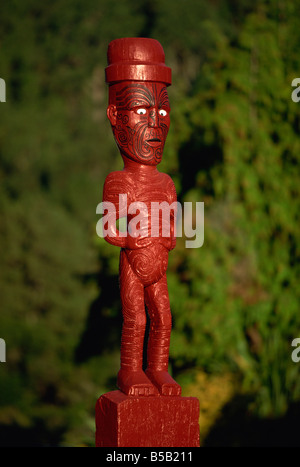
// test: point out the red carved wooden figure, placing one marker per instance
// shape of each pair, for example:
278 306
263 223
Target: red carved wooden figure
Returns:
139 113
148 409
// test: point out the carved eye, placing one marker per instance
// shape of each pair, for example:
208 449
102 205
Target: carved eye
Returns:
162 112
141 111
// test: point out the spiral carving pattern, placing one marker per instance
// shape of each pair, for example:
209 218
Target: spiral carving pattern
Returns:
149 264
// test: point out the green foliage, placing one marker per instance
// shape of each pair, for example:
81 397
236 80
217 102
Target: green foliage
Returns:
233 143
241 297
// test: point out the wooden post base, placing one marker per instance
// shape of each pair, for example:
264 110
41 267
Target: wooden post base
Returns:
149 421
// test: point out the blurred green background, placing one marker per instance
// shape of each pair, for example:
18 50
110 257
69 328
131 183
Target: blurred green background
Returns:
234 144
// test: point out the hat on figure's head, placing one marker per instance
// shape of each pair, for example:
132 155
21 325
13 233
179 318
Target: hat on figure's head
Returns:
136 59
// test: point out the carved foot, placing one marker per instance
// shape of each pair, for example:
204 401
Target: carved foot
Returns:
166 385
135 383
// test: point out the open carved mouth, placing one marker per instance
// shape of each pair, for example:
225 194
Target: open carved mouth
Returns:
154 140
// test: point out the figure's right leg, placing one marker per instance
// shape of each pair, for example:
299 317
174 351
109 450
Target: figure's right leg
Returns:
157 300
131 377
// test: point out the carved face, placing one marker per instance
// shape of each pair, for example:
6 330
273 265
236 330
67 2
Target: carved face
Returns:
140 120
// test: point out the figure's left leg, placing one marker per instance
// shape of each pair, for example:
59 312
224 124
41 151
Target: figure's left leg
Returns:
158 304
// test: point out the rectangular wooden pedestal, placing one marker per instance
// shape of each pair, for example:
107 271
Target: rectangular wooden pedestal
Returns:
153 421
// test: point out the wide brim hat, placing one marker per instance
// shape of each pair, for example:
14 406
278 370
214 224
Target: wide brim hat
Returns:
136 59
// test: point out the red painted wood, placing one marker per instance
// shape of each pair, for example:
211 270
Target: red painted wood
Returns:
139 115
136 59
148 409
159 421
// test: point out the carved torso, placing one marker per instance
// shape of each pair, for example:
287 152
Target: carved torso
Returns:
147 254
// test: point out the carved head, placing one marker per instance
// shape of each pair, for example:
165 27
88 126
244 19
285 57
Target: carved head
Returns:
138 100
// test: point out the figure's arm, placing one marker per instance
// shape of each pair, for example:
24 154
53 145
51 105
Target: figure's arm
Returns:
172 199
116 200
115 206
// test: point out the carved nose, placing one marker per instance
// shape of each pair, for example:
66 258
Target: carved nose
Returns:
153 118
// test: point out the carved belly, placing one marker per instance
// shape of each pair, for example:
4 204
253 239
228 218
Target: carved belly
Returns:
149 264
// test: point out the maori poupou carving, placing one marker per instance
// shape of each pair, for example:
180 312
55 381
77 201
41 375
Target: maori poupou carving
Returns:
139 111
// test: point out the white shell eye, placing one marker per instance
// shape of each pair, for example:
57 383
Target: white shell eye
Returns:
141 111
162 112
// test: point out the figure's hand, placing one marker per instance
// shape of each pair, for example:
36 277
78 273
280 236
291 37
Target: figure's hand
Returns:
133 243
116 241
169 243
172 243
